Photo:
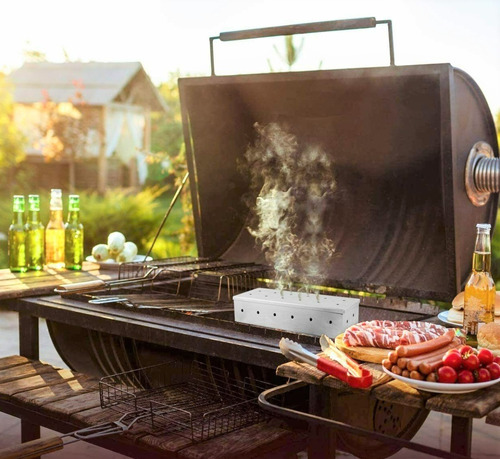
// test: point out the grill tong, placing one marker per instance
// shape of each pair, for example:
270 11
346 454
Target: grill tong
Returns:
342 367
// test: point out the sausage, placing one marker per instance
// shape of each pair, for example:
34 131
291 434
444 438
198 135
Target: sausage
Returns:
401 363
396 370
432 365
416 375
426 346
405 373
414 362
432 377
387 364
393 356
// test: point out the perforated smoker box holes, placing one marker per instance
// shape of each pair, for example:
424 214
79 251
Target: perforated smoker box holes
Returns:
296 312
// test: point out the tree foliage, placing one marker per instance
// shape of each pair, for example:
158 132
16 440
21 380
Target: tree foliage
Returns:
168 157
11 140
64 129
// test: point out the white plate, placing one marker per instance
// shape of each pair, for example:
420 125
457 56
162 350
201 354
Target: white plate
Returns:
442 388
443 317
112 264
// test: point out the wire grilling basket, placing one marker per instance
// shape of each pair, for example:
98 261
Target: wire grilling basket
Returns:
193 400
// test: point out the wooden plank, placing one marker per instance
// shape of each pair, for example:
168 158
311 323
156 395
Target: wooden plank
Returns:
65 408
24 371
12 361
398 392
493 417
57 390
171 442
472 405
33 283
302 371
33 382
253 441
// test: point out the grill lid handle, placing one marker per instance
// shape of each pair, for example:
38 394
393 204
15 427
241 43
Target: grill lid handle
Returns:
325 26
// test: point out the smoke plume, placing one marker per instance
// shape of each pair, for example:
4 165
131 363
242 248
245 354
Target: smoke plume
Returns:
295 184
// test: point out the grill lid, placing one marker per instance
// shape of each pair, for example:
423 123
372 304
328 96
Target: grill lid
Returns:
397 139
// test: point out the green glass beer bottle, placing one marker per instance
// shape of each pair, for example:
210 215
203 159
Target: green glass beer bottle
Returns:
35 235
73 246
17 237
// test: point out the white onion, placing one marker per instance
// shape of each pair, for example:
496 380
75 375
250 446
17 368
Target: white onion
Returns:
100 252
116 243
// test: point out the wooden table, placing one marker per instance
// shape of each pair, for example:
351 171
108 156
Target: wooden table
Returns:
16 286
462 407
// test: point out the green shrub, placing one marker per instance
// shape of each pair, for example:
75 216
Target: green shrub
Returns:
135 214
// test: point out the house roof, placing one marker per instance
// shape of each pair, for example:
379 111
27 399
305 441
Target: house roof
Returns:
100 83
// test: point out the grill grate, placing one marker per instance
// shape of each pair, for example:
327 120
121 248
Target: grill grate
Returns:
195 400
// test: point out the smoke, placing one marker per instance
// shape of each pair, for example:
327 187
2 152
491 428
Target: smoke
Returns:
295 185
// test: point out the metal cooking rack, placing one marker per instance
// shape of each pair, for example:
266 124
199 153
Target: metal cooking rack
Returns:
193 400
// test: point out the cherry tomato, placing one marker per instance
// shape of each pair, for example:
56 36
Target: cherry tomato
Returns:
470 362
485 356
465 377
452 359
447 374
465 349
483 375
497 360
494 370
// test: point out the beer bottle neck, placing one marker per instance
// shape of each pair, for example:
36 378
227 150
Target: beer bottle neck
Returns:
73 216
56 215
33 216
481 260
18 218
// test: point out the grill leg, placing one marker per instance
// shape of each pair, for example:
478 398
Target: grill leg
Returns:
29 432
28 336
322 439
461 435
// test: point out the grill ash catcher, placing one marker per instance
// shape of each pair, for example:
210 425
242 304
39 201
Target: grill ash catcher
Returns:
413 165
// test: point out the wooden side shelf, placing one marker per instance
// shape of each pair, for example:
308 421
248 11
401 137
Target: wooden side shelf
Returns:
62 400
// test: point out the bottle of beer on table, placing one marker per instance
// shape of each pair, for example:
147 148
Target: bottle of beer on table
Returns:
17 237
480 291
54 233
73 235
35 235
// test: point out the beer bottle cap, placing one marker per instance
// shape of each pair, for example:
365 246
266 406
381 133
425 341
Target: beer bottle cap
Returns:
74 202
18 203
34 202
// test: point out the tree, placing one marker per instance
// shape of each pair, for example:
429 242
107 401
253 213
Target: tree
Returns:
11 140
65 128
167 158
291 53
498 127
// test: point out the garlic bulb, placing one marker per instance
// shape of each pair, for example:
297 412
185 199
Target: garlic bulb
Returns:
116 243
100 252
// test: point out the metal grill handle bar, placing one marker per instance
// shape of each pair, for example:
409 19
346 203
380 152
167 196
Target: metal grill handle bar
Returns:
313 27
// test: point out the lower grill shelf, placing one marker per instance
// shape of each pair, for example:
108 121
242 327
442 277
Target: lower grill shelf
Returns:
196 401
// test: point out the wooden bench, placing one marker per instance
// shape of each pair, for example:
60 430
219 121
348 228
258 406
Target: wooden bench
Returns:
62 400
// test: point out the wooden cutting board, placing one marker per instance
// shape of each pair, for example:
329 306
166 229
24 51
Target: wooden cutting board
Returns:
366 354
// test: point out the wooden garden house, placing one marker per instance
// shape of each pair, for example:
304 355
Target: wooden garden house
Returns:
116 99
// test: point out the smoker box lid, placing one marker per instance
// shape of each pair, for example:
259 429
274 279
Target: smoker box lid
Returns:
398 138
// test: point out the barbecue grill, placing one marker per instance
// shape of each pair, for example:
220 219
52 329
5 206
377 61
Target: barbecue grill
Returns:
410 153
